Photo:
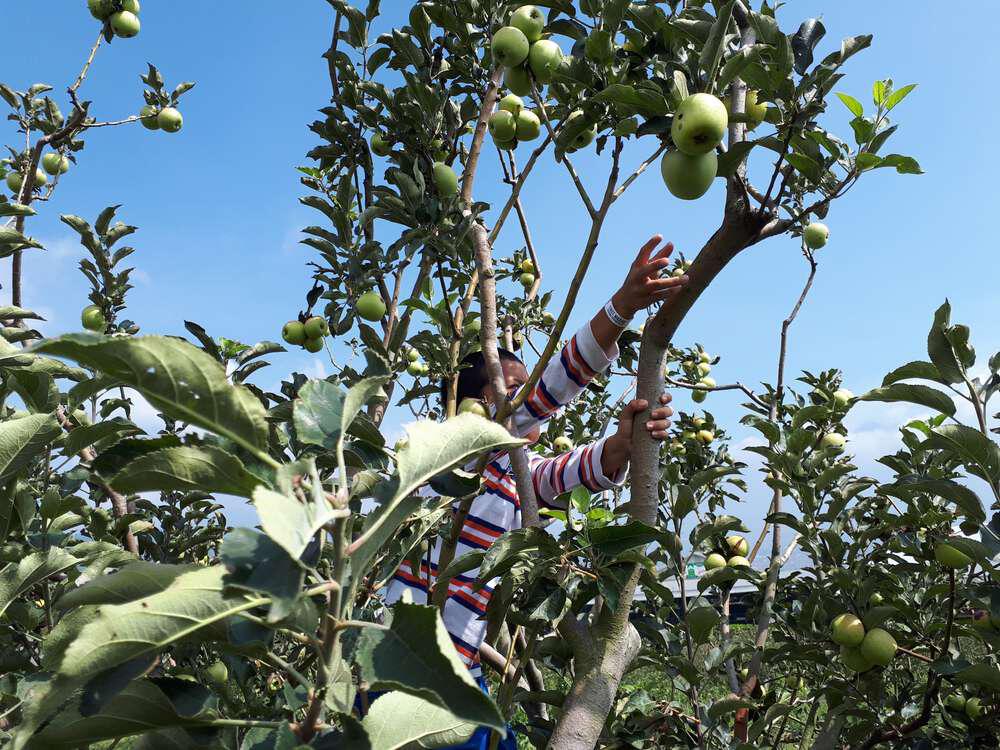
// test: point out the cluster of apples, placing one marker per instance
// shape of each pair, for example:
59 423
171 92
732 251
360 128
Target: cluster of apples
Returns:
527 277
416 366
972 707
520 49
862 649
513 123
53 163
308 333
698 369
123 15
167 119
732 553
698 128
701 434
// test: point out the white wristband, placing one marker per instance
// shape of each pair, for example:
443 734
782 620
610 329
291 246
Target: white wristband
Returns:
615 317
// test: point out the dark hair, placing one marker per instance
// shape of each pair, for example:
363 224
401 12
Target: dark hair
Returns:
472 375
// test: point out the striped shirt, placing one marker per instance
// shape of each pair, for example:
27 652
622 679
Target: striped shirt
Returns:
497 509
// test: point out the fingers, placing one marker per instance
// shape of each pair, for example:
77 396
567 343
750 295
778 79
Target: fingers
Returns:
666 398
648 248
665 252
633 407
657 428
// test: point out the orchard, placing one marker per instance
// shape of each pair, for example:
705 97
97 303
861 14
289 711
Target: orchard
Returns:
134 615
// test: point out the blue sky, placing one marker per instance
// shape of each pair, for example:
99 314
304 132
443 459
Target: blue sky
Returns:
217 204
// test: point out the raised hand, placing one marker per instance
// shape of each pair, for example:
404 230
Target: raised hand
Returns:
644 285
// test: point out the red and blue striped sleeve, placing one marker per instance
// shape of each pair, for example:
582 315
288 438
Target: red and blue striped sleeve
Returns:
580 467
565 377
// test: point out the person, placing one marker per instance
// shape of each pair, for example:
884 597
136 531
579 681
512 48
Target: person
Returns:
600 465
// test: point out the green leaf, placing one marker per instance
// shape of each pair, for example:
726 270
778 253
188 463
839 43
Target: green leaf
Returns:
630 100
323 413
415 654
426 724
290 523
711 53
140 707
430 449
967 500
897 96
939 347
735 64
916 369
86 435
728 706
922 395
981 674
134 581
175 377
734 156
856 108
186 468
717 527
612 540
902 164
980 455
259 564
24 439
18 577
515 545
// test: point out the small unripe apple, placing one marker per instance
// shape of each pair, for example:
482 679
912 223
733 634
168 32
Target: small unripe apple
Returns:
14 182
445 179
714 560
698 395
699 124
148 116
698 421
706 436
473 406
316 327
415 368
55 163
518 80
847 630
688 176
527 279
503 126
125 24
380 145
548 319
294 333
562 444
530 20
703 368
510 47
875 599
737 545
973 709
816 235
370 306
528 126
170 120
853 659
738 561
842 396
688 435
544 59
93 319
955 702
527 266
512 103
833 440
878 647
950 557
412 355
217 673
313 345
101 9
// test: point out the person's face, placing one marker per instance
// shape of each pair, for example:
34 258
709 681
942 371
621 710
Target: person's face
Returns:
515 375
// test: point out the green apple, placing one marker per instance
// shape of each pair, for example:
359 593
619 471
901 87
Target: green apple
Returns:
93 319
473 406
132 6
706 436
842 397
955 702
584 138
55 163
503 126
380 145
512 103
475 325
294 333
737 545
528 126
530 20
14 182
370 306
415 368
316 327
707 383
755 111
878 647
412 354
544 59
148 117
847 630
445 179
217 673
41 179
949 557
973 709
518 80
506 145
704 356
170 120
101 9
816 235
527 266
738 561
714 560
688 177
526 279
125 24
698 422
854 660
833 440
699 396
875 600
313 345
703 368
510 47
562 444
548 319
699 124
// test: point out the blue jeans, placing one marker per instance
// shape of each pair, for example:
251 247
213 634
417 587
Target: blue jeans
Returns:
480 739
